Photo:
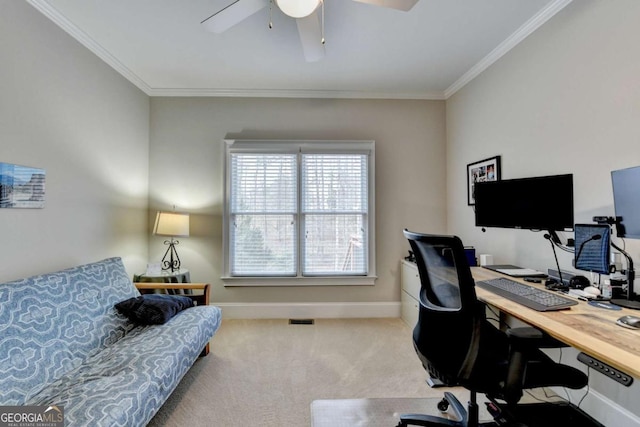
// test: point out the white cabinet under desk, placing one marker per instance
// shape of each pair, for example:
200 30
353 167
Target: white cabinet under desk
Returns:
410 297
410 294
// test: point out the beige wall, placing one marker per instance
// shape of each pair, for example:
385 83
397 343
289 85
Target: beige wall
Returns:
64 110
187 162
566 100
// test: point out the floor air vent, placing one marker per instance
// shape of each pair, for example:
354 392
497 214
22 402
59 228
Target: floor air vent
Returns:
301 321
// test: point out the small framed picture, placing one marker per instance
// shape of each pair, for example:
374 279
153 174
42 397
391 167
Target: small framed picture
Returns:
21 186
482 171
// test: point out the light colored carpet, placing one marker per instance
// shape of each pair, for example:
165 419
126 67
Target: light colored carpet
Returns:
373 412
267 373
385 412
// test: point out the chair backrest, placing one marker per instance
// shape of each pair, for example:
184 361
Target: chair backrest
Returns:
447 334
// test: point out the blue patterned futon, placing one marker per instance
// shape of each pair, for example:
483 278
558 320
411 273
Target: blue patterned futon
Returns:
63 343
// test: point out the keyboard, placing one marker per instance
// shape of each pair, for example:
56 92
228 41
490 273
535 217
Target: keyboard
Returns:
529 296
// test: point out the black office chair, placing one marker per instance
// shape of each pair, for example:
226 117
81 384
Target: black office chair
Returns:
457 345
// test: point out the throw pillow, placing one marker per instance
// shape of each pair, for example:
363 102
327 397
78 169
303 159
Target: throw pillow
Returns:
153 309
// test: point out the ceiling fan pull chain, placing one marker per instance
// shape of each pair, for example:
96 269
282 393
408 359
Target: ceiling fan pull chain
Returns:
322 4
270 14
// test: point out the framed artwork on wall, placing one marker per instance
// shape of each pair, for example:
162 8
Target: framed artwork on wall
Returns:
481 171
21 186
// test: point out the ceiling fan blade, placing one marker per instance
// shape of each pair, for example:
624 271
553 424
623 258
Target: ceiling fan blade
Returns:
310 31
237 11
393 4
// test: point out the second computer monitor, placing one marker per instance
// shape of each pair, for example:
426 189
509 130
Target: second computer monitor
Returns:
592 252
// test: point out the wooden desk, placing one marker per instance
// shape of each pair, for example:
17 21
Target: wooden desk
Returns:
589 329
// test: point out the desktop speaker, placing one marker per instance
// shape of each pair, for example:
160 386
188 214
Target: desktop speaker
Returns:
470 253
486 259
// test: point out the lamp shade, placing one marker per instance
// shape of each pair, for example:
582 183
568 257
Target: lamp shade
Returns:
298 8
171 224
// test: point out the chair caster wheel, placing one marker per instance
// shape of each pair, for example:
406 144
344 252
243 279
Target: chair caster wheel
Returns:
443 405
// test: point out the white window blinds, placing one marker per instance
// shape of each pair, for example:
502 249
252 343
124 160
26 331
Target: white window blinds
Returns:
300 211
263 207
334 209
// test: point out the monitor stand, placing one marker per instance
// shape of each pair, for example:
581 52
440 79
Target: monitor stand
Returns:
630 301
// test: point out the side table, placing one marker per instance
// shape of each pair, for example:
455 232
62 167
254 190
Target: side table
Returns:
178 276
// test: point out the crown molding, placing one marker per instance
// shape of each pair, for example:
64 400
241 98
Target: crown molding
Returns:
512 41
59 19
529 27
292 93
74 31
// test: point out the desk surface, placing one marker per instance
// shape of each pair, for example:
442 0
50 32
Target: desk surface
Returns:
589 329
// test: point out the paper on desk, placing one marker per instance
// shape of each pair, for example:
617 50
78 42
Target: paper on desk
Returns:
519 272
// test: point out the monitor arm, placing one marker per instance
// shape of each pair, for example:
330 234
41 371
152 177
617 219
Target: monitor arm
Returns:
554 237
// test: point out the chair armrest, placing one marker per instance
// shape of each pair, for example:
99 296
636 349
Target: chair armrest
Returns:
201 299
524 343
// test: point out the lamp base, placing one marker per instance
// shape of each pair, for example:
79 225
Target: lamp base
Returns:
173 263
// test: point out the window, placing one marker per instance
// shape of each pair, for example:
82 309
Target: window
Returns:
299 211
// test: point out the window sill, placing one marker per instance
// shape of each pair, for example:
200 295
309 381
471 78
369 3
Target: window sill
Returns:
300 281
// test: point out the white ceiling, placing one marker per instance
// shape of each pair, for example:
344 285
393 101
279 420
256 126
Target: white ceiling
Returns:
371 52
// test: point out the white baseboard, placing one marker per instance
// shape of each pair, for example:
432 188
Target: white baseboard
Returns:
609 412
600 407
328 310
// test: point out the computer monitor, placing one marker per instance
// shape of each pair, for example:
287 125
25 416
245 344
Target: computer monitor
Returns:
626 200
537 203
592 247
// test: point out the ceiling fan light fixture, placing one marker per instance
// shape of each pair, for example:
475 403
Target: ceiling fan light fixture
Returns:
298 8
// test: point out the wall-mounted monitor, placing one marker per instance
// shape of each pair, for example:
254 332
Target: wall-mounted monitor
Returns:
626 200
537 203
592 247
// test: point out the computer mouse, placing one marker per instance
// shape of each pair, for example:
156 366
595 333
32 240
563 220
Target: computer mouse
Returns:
592 290
631 322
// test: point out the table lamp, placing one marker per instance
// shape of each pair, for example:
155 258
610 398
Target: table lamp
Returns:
171 224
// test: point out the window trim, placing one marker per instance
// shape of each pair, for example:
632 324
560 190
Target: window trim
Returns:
299 146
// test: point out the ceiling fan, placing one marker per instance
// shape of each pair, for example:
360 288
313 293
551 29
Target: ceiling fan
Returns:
309 16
